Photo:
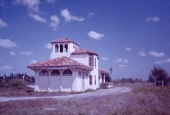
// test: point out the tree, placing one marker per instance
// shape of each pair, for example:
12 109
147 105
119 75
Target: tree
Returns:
159 74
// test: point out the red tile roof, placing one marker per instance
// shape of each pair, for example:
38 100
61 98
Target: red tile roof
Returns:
59 62
104 71
83 51
64 40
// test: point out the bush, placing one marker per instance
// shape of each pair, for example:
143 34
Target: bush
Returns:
159 74
13 83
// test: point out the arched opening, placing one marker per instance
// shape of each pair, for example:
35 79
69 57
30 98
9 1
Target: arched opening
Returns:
44 73
83 73
67 73
55 73
61 48
56 48
79 73
66 48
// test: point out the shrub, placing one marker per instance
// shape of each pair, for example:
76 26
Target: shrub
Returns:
159 74
13 83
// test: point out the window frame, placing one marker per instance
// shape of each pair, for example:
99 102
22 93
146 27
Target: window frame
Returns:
44 73
66 72
55 74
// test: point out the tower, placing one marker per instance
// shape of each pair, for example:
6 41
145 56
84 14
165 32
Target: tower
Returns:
63 47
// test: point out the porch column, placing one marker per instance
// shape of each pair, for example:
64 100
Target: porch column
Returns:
104 78
61 73
49 79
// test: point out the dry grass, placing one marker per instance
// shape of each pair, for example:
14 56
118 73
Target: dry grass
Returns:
143 100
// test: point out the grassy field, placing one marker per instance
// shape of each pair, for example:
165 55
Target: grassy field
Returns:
142 100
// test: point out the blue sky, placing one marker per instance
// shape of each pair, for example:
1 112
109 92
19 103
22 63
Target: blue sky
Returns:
131 36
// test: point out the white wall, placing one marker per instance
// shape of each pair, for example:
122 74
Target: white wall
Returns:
94 73
82 58
43 83
55 82
66 83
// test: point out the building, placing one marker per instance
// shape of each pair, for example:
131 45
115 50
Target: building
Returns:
69 69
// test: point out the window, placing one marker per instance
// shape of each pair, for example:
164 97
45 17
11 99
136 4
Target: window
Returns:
56 48
91 61
90 80
79 73
66 48
67 72
61 48
55 73
44 73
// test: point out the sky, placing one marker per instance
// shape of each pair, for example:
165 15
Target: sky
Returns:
131 36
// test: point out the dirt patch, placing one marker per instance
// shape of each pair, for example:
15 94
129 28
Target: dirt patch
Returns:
98 93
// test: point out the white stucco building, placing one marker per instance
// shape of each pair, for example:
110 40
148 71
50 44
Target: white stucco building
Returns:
69 69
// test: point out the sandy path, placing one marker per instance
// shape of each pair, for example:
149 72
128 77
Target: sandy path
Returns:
98 93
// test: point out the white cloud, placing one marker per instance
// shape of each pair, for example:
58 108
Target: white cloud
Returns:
5 67
163 61
48 46
126 61
104 58
95 35
31 4
50 1
91 14
122 65
68 17
26 53
7 43
33 61
128 49
152 19
2 23
54 21
156 54
168 60
119 60
142 53
159 62
12 53
37 18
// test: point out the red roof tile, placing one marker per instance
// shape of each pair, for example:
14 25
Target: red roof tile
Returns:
64 40
104 71
59 62
83 51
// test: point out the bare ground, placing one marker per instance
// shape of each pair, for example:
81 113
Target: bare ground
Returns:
140 100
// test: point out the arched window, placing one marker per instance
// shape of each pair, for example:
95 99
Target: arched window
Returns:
79 73
67 72
44 73
56 48
55 73
66 48
61 48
